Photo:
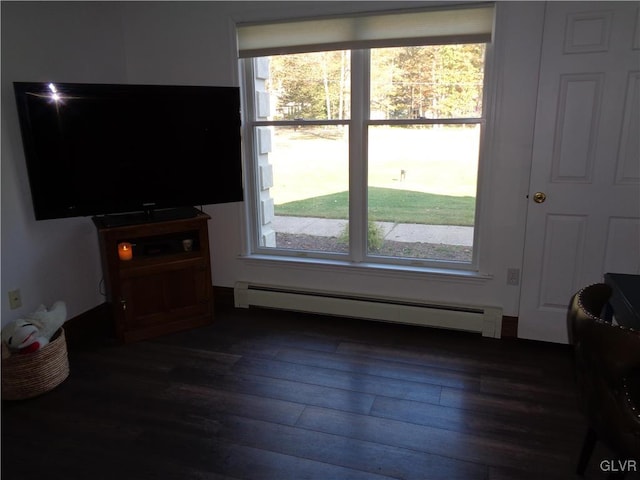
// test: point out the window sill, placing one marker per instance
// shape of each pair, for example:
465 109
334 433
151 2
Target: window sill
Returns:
367 268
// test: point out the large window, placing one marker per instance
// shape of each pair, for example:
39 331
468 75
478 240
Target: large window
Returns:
369 153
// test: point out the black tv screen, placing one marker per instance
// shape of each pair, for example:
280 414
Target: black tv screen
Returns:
95 149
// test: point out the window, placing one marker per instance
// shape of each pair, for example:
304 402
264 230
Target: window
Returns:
363 147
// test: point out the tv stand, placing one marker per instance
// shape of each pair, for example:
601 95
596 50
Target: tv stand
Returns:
162 282
147 216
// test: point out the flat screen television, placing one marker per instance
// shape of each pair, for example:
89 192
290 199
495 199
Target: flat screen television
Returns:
98 149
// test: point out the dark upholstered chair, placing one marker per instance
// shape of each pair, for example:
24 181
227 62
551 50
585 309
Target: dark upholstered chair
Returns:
608 375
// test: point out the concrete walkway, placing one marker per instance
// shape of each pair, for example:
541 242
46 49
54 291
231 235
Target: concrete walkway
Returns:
398 232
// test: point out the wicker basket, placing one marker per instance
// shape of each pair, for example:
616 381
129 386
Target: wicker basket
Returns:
32 374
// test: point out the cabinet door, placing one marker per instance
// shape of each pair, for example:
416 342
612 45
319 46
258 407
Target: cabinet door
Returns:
155 301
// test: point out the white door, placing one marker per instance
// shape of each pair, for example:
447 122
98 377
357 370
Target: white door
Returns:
586 160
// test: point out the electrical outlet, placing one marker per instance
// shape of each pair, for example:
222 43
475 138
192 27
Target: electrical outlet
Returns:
15 300
513 276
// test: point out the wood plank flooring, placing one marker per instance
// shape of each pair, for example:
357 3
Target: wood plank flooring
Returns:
279 395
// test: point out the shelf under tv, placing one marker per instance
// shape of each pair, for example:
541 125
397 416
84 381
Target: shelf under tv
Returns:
164 284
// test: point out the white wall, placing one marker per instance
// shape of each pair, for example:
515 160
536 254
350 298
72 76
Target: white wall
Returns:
194 43
53 259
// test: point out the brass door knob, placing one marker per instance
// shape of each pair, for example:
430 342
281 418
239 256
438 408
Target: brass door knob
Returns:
539 197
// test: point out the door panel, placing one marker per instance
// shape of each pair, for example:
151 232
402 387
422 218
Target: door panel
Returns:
580 98
562 253
628 165
619 250
585 160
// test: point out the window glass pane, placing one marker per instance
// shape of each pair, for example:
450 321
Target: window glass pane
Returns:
310 86
308 189
422 191
436 81
421 179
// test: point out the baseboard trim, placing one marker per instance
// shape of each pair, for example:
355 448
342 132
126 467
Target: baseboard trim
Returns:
509 327
95 327
223 297
90 329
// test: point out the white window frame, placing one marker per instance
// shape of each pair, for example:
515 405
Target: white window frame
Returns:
358 124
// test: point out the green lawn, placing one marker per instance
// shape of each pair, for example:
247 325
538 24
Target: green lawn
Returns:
389 205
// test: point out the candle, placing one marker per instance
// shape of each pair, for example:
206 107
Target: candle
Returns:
125 252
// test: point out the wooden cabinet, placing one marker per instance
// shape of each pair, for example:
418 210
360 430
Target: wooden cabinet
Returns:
166 284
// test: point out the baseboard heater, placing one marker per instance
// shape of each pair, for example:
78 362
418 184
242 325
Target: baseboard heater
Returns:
481 319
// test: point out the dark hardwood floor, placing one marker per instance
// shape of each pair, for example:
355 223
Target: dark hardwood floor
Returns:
276 395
